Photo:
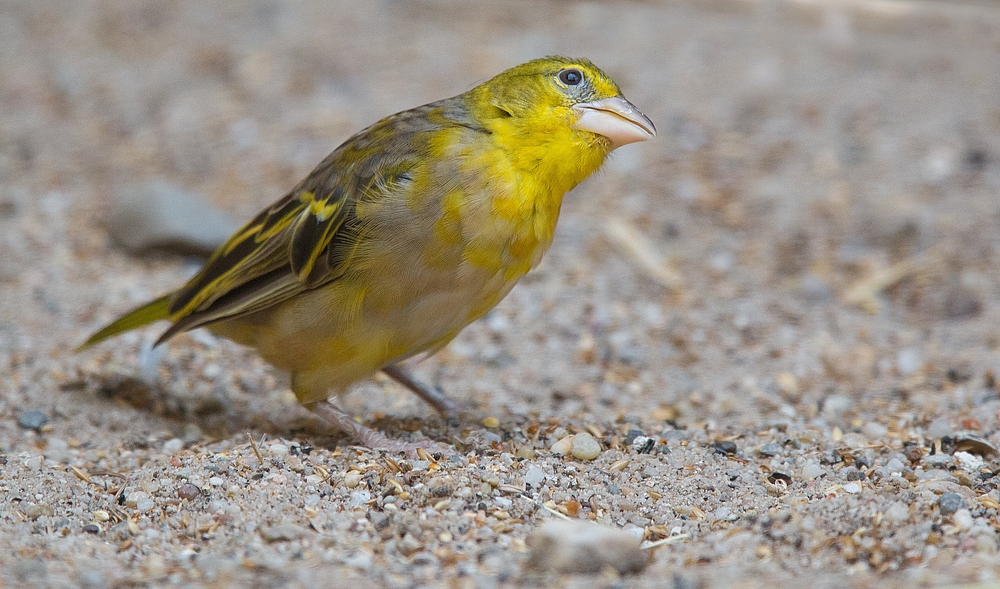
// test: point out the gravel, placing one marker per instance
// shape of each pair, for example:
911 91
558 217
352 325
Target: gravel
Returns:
803 266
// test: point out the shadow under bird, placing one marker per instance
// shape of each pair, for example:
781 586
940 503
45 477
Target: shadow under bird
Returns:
409 231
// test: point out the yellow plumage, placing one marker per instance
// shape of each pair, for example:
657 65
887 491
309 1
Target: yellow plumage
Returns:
407 232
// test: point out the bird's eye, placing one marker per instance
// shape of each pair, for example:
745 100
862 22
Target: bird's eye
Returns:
571 77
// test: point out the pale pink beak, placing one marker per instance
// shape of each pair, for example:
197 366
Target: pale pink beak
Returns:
615 118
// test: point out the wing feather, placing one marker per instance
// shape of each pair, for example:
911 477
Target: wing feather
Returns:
308 238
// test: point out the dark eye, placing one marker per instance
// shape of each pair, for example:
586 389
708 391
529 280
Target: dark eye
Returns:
571 77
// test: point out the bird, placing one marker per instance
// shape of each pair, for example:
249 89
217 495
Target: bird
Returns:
406 233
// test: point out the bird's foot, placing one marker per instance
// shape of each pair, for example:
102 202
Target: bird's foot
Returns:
374 439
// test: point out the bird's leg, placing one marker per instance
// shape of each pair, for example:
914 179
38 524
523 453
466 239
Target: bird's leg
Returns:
369 437
432 395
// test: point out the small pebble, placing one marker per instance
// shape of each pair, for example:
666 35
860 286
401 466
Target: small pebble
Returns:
727 447
282 532
949 503
567 546
969 462
36 511
770 450
187 491
812 471
534 477
491 422
643 444
853 488
585 447
143 505
874 430
32 419
278 449
563 446
352 479
173 446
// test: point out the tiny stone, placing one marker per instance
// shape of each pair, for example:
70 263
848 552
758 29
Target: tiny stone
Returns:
812 471
282 532
173 445
728 448
875 430
216 481
352 479
949 503
143 505
534 477
969 462
938 460
583 547
643 444
770 450
585 447
853 488
92 529
562 447
187 491
32 419
851 473
631 436
278 449
834 405
37 511
894 465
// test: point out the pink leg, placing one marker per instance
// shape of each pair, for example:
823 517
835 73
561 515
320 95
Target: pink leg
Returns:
436 398
371 438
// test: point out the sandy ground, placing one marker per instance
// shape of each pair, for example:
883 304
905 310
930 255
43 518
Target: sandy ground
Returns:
792 291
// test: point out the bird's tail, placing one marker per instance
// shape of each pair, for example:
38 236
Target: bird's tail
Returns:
138 317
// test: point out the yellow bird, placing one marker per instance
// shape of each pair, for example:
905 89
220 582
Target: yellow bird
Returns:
406 233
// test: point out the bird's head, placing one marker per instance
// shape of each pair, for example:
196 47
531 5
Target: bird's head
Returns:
565 97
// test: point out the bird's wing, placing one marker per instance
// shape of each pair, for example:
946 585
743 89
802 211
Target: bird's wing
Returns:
306 239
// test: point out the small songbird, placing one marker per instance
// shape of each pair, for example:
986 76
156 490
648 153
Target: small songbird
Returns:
406 233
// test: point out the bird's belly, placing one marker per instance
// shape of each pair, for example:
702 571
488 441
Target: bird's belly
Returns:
347 330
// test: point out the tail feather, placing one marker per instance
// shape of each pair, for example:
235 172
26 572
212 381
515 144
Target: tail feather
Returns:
138 317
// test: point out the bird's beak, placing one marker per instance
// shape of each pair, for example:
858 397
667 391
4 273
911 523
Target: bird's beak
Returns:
615 118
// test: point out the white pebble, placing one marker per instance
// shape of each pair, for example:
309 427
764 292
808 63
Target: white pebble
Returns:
534 477
173 445
853 488
585 447
563 446
278 449
812 471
